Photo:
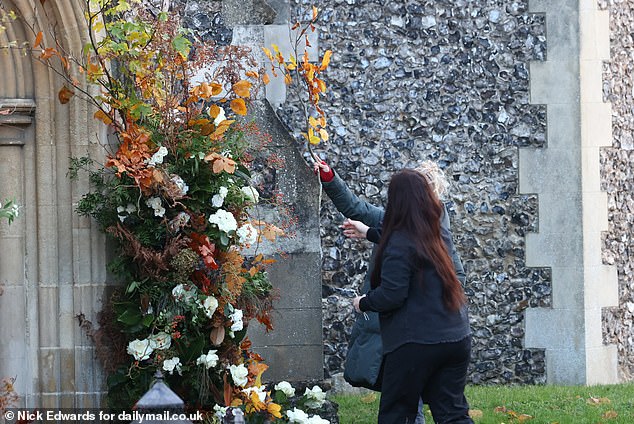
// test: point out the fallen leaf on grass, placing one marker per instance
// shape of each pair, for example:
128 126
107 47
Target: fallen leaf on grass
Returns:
598 401
369 398
609 415
475 413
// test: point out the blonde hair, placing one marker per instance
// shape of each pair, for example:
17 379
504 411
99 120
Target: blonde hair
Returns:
435 177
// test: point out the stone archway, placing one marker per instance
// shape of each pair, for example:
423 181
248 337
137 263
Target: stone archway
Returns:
53 262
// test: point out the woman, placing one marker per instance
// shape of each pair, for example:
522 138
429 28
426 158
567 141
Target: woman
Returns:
422 309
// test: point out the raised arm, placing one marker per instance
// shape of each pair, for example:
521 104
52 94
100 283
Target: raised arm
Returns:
347 202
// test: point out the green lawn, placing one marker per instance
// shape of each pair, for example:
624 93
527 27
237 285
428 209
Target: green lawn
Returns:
521 404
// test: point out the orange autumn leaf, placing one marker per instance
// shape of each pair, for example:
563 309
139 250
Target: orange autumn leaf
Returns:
271 232
252 74
215 88
315 13
47 53
65 94
238 106
323 134
221 163
221 129
242 88
266 79
38 39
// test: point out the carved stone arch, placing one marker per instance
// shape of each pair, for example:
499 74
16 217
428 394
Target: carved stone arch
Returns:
55 267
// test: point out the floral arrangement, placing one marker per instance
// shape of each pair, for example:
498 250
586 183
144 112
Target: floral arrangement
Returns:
175 195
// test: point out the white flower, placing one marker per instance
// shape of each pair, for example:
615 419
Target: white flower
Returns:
210 304
219 198
130 209
183 293
160 341
217 201
221 117
316 419
247 234
261 391
182 187
224 220
140 349
220 411
170 364
297 416
156 204
239 374
315 397
157 157
286 388
236 318
251 193
209 360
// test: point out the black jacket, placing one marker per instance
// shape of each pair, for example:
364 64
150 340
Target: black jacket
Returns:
409 300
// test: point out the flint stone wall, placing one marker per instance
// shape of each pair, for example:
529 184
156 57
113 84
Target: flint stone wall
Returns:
448 81
617 176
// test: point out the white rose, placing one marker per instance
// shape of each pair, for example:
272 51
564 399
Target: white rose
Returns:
247 234
170 364
224 220
160 341
157 157
286 388
183 293
297 416
251 193
209 360
239 374
210 304
315 397
140 349
236 318
217 201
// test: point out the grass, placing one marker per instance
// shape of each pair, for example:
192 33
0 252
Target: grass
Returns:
520 404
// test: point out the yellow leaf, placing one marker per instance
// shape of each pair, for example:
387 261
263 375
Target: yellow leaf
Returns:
215 88
266 79
312 138
315 13
326 60
238 106
268 54
287 79
369 398
274 409
524 417
214 110
103 117
313 122
242 88
323 134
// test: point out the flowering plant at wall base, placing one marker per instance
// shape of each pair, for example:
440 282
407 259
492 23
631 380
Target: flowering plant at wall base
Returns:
9 210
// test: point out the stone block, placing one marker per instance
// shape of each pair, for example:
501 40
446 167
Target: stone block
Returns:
49 365
297 277
11 261
293 363
291 327
48 312
550 170
596 124
554 82
602 365
555 329
565 367
591 81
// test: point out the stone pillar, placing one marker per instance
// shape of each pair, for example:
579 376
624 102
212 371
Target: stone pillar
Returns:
294 349
572 210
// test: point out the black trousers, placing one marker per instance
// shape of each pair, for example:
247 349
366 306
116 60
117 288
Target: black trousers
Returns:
437 373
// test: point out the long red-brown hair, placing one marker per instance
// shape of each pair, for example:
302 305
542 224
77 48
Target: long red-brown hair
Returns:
413 207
